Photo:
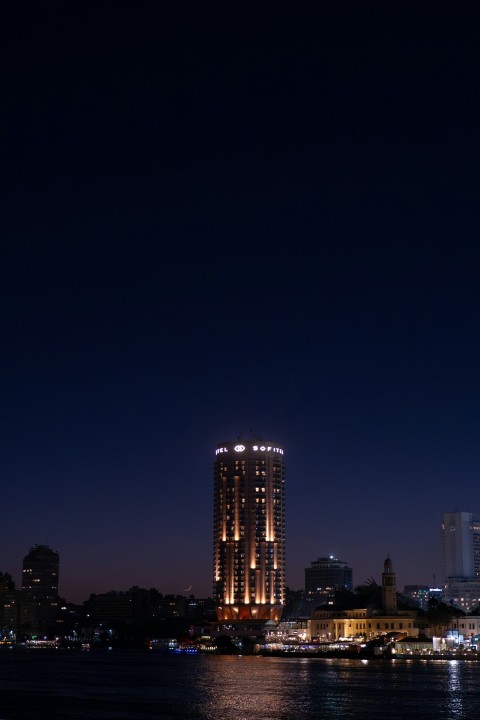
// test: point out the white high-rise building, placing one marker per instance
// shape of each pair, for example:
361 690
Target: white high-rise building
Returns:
461 558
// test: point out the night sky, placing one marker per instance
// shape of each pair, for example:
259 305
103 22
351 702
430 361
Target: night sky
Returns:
219 219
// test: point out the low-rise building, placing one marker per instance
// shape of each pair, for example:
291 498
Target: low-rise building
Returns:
361 624
367 623
465 628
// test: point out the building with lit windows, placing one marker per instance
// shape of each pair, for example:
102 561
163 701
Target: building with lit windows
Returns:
366 623
325 576
9 605
39 594
249 530
422 594
460 533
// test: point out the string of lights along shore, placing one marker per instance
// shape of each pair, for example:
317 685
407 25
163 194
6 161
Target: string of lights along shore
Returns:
249 530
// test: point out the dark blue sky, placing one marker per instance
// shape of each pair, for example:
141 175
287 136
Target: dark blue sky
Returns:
231 219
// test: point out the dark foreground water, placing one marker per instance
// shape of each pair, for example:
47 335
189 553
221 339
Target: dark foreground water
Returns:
144 685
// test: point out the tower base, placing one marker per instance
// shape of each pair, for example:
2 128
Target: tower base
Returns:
234 613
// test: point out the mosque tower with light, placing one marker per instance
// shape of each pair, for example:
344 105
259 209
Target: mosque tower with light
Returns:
249 530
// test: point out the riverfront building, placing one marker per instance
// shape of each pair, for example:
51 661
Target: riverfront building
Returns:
39 594
325 576
366 623
9 605
460 532
249 530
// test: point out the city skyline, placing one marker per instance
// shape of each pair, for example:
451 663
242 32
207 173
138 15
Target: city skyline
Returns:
217 220
328 563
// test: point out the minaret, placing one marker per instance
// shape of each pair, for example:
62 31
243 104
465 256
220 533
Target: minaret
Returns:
389 589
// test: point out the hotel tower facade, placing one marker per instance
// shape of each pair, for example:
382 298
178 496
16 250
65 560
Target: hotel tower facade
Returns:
249 530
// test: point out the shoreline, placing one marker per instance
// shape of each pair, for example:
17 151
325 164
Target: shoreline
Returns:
367 656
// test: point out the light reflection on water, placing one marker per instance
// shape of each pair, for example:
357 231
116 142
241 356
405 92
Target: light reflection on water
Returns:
256 687
142 686
454 688
285 688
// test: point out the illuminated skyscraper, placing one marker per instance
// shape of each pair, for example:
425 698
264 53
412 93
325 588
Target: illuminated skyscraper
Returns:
249 530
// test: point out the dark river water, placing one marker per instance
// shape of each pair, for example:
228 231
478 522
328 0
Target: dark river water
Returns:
143 685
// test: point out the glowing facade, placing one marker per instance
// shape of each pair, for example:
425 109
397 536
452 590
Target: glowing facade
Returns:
249 531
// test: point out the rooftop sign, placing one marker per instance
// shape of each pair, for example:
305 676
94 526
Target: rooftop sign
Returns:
253 448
